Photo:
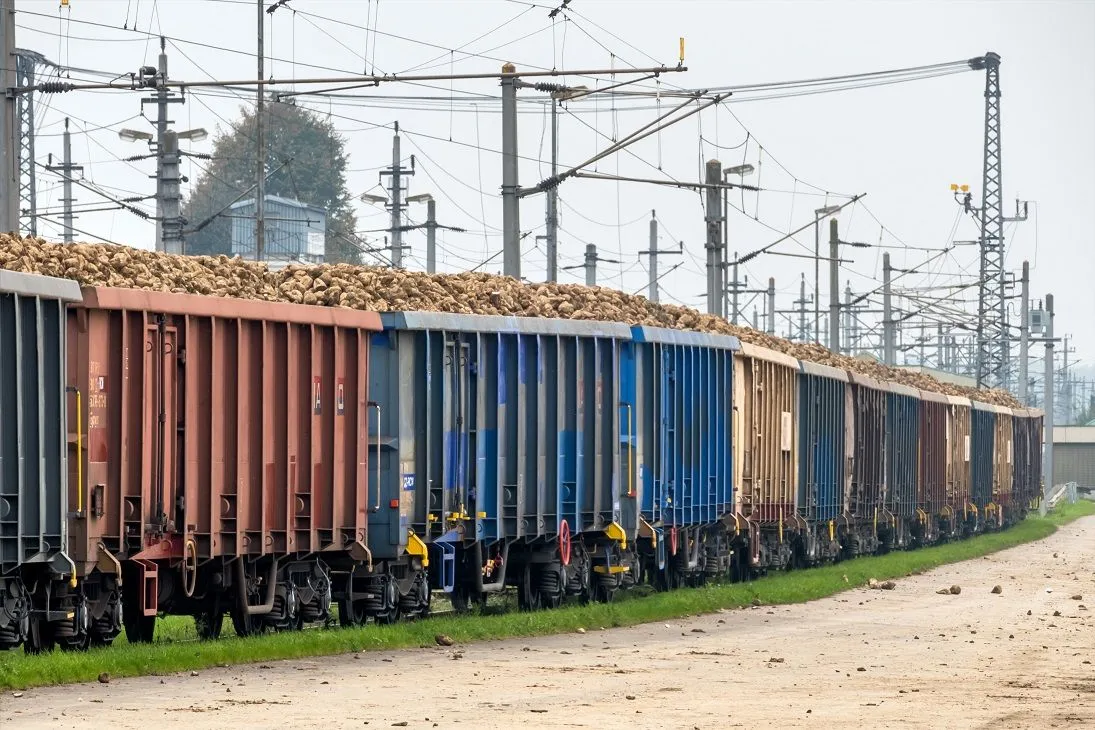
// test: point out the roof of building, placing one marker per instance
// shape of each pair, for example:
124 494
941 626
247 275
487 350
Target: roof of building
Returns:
288 202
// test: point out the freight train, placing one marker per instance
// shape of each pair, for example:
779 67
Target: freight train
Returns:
166 453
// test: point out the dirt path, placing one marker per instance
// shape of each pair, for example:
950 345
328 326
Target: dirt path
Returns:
906 658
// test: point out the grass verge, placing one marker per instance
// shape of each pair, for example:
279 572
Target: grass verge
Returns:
172 653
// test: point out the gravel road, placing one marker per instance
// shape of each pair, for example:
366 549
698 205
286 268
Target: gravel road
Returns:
904 658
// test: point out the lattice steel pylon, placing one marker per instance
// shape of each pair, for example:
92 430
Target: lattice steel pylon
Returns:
993 363
26 65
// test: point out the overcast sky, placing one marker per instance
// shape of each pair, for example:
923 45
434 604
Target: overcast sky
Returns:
902 144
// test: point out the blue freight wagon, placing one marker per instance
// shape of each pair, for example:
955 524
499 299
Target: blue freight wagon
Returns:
982 450
825 453
501 459
34 560
678 386
902 463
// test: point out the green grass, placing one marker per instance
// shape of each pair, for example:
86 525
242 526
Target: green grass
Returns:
174 651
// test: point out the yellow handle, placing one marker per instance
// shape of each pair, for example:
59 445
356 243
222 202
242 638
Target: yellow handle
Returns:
682 49
630 465
79 450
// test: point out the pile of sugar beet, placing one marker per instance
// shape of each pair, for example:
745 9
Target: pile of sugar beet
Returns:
381 289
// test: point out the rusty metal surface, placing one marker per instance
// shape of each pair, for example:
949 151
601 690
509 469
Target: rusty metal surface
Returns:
931 489
868 491
765 441
239 425
959 444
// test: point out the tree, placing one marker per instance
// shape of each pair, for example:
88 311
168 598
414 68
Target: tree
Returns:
308 160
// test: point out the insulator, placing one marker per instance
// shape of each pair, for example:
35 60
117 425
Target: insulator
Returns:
55 87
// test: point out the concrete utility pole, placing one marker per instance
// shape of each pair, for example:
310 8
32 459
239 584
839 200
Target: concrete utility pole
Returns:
848 318
9 163
818 215
736 287
715 289
171 206
887 314
1047 424
834 286
552 223
1066 396
66 168
431 225
1024 334
260 141
161 132
590 264
511 209
431 236
654 253
803 333
396 172
771 306
162 99
397 203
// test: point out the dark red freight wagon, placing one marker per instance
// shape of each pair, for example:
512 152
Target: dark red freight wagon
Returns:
226 467
934 513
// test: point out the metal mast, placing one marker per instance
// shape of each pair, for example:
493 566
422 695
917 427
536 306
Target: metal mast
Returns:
26 64
992 327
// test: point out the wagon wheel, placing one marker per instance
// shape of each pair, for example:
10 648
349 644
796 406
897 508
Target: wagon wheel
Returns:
209 620
528 595
390 614
425 598
351 613
460 599
40 637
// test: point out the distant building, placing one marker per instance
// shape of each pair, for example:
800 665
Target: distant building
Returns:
295 231
1074 455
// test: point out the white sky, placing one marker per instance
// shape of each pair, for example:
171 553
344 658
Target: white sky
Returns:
902 145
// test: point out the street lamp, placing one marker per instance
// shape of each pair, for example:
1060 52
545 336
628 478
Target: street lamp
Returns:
132 135
368 198
194 135
820 213
739 171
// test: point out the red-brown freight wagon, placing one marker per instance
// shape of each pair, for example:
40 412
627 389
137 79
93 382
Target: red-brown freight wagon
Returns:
935 512
226 459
